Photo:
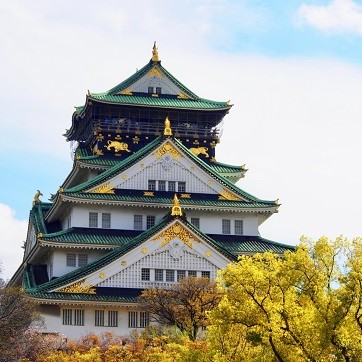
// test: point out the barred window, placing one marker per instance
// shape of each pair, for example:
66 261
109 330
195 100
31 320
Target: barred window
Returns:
112 318
196 222
238 227
78 317
150 90
138 319
71 259
205 274
82 259
137 222
181 186
99 318
159 275
67 316
162 185
144 319
226 228
106 220
181 274
158 90
192 273
145 274
170 275
93 219
132 319
152 185
172 186
150 221
69 222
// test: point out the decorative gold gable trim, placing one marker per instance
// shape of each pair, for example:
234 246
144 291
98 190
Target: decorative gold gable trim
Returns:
167 148
176 231
155 72
227 195
106 188
79 288
127 92
183 95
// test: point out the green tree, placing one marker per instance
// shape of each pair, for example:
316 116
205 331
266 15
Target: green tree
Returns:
185 305
305 306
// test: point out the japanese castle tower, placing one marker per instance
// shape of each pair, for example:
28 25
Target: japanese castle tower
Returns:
145 204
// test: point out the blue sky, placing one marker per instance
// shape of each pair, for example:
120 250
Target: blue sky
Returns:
292 68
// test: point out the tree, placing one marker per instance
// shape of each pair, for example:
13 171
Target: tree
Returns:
17 314
185 305
305 306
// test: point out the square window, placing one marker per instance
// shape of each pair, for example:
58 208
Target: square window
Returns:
161 185
93 219
137 222
145 274
205 274
150 221
170 275
172 186
192 273
159 275
112 318
158 90
82 259
99 318
238 227
71 259
152 185
181 274
196 222
106 220
226 228
150 90
181 186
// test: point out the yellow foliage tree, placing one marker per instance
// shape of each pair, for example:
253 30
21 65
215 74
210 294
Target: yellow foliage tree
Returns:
303 306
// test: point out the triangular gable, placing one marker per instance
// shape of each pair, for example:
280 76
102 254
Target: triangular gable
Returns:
176 246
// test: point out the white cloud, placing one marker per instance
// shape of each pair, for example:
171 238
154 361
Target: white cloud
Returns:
13 233
339 16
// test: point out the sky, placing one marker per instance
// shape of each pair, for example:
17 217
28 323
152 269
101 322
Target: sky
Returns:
292 69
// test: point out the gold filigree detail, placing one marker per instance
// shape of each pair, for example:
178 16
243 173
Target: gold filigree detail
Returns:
123 263
79 288
135 140
126 92
60 190
185 196
148 193
102 275
176 231
212 159
183 95
167 148
208 253
176 208
199 151
167 131
106 188
227 195
144 250
155 72
39 235
100 137
99 153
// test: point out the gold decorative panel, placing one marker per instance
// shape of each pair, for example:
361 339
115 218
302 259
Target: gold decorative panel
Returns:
155 72
79 288
127 92
106 188
148 193
183 95
176 231
123 263
144 250
227 195
102 275
167 148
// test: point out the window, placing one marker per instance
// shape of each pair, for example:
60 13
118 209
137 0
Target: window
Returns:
112 318
226 226
69 222
71 259
192 273
76 318
106 220
137 221
158 275
196 222
152 185
150 221
145 274
158 90
150 89
161 185
99 318
181 186
172 186
82 259
238 227
205 274
50 271
93 219
170 275
181 274
138 319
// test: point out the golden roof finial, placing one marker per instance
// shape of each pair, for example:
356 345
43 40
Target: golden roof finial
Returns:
176 208
168 130
155 53
36 198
